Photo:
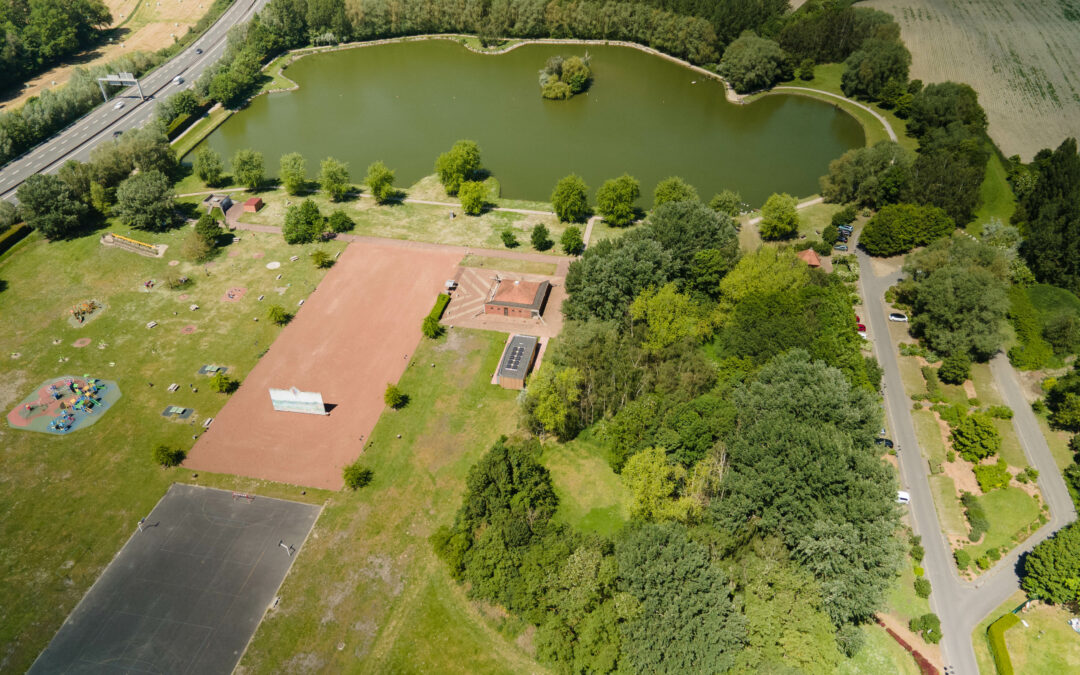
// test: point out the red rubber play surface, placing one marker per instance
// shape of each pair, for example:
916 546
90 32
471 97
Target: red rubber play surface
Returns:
348 341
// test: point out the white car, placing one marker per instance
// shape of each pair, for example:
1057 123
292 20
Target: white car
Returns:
118 105
897 316
178 80
902 497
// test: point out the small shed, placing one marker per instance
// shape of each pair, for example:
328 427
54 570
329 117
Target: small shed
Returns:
223 202
810 257
253 205
516 362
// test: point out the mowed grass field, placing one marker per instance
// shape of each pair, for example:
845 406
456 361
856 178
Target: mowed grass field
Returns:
1023 57
68 503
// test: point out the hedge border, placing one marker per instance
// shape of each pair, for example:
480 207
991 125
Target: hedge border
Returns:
995 635
13 236
440 306
925 667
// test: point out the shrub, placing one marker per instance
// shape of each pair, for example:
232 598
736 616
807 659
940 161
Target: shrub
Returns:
955 369
963 559
540 238
993 476
976 437
339 222
321 259
168 457
919 571
930 375
806 70
357 476
1001 412
996 636
898 228
994 554
509 239
982 562
978 521
929 626
571 241
779 217
830 235
1038 406
278 315
380 180
844 216
473 196
431 328
223 384
950 456
917 553
922 587
394 397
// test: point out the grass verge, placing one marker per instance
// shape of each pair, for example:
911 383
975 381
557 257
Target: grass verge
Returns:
591 496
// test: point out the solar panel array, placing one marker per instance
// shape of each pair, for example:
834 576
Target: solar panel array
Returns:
514 360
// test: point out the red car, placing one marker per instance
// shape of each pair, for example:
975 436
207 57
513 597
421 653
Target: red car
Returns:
860 327
856 318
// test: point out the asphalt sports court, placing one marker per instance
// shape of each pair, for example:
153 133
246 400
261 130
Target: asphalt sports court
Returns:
354 334
186 593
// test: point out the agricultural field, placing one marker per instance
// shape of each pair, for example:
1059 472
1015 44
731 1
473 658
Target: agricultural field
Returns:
1023 58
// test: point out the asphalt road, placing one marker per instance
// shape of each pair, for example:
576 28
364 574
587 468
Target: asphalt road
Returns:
960 604
102 123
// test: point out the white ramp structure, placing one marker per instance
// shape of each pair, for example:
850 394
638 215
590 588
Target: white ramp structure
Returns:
294 400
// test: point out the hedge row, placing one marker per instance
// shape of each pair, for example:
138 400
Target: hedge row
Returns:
995 635
440 306
14 234
925 667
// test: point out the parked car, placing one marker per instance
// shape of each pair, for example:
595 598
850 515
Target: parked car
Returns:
861 327
118 105
846 228
884 441
840 247
857 319
897 316
116 133
902 497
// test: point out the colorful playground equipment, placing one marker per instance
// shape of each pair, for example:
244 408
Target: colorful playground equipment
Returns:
84 309
63 404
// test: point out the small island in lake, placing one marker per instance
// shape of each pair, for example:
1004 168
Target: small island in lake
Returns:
562 78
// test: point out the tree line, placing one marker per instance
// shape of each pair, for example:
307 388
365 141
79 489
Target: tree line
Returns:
39 33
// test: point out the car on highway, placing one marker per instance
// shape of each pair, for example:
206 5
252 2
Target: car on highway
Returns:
118 105
897 316
116 133
198 50
178 80
902 497
840 247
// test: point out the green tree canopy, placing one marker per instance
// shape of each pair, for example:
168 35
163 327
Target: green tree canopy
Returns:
949 171
293 172
334 178
550 401
683 228
208 229
1052 569
145 202
669 317
380 181
460 164
975 438
571 241
673 189
940 104
473 196
727 202
609 275
303 223
779 217
49 206
208 166
1052 209
247 168
655 485
570 199
871 177
751 63
868 70
898 228
615 200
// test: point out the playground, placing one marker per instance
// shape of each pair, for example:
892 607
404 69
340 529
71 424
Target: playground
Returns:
188 590
64 404
354 335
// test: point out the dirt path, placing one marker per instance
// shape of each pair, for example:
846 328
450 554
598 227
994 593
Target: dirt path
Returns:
880 118
810 202
931 652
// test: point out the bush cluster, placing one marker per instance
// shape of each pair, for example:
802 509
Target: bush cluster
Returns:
978 521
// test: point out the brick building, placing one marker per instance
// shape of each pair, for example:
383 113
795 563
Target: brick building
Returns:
517 298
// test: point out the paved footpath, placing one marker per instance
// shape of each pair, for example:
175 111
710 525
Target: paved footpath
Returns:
960 604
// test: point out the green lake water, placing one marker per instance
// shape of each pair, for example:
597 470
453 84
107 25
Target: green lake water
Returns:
406 103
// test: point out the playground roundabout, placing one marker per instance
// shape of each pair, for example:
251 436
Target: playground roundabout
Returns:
63 404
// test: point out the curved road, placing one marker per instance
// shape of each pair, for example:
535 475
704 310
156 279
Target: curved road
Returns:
960 604
78 139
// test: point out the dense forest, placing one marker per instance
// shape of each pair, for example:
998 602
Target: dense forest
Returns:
38 33
733 399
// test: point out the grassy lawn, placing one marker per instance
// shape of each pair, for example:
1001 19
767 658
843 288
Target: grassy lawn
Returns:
195 134
507 264
813 219
950 513
417 222
371 580
978 636
902 601
1011 512
929 435
1058 442
995 196
880 655
1010 444
985 386
1047 644
911 375
601 230
600 506
70 502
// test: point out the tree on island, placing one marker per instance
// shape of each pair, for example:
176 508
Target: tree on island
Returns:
293 172
247 167
334 178
460 164
570 199
615 200
562 78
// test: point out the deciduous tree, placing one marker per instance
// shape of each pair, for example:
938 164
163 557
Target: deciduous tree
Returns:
615 200
570 199
334 178
380 181
145 202
247 168
460 164
48 205
779 217
673 189
293 172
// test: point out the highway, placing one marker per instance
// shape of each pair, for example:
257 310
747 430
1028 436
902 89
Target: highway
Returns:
101 124
960 604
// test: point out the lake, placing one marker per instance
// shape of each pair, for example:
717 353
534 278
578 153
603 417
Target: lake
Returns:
405 103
